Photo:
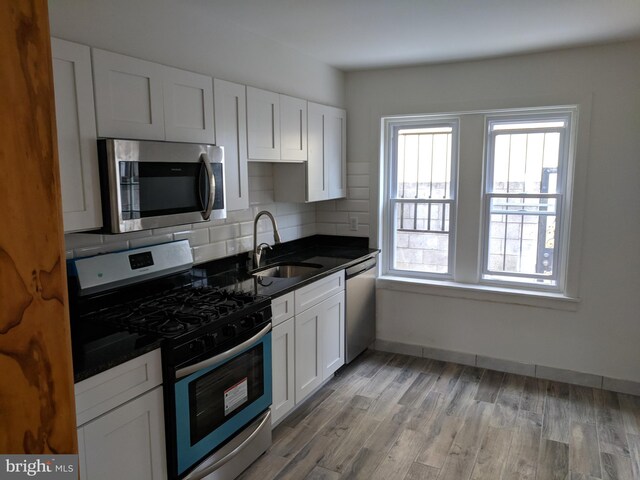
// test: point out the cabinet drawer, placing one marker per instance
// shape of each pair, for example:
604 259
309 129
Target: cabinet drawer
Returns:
105 391
281 308
313 294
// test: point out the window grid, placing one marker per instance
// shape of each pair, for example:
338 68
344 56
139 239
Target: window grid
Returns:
421 201
511 205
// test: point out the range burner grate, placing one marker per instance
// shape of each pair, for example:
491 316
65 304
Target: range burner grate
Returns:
175 312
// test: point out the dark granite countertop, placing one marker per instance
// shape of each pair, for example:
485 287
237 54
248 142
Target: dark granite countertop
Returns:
97 347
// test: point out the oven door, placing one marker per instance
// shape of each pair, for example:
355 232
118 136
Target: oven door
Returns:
220 398
160 184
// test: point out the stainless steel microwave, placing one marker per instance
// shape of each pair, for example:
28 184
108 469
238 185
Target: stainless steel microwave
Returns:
146 184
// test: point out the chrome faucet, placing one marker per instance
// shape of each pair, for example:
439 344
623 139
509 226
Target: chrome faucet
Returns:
259 249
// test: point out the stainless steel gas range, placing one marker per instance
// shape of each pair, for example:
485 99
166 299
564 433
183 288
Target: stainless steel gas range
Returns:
216 353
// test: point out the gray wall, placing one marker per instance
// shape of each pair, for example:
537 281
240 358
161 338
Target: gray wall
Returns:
602 335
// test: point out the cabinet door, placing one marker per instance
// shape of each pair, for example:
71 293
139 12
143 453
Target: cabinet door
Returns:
308 371
332 334
128 442
316 174
188 106
129 101
293 129
263 125
231 133
335 154
76 126
282 370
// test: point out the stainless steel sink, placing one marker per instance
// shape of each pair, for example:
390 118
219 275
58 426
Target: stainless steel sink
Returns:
287 270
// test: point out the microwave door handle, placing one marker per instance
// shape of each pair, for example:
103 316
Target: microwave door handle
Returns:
204 158
183 372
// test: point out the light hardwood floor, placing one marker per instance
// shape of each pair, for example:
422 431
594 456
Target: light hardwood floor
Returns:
390 417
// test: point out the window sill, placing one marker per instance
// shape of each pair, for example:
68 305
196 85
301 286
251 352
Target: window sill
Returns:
484 293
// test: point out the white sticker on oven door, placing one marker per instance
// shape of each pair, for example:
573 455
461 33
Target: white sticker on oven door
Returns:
235 396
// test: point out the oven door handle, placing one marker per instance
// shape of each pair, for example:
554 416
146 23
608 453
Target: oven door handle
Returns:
183 372
204 158
199 474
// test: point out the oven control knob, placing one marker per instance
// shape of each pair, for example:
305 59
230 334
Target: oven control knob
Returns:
230 330
211 339
247 322
258 318
197 345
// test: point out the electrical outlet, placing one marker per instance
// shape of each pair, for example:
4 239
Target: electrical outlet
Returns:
353 223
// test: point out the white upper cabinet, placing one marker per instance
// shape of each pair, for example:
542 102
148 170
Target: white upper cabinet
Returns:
188 106
276 127
316 178
293 129
335 151
324 175
231 133
76 126
263 125
145 100
129 99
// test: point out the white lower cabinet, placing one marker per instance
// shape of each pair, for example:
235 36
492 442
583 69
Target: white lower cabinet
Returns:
120 415
308 352
127 442
307 341
332 334
283 356
319 344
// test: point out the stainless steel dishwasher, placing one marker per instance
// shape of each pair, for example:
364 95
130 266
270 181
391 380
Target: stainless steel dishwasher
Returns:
360 320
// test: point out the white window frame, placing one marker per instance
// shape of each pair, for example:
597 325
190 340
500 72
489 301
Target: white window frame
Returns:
391 198
466 274
563 204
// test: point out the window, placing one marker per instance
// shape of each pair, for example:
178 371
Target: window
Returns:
516 169
524 192
423 196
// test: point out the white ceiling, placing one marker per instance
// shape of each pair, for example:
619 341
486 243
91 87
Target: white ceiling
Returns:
360 34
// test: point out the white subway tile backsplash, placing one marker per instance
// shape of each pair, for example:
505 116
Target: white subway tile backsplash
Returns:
240 216
224 232
332 217
353 205
260 169
178 228
289 208
357 180
291 233
344 229
327 206
153 240
100 248
257 197
128 236
326 228
287 221
358 168
308 217
195 237
307 230
239 245
77 240
260 183
358 193
211 251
